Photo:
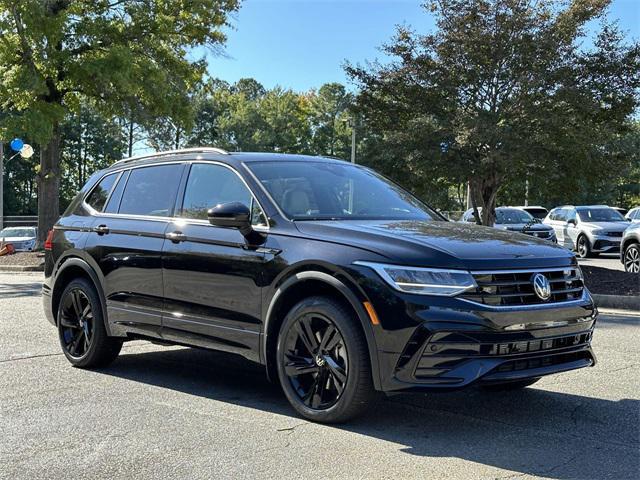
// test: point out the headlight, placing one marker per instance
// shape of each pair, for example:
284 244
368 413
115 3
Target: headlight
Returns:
424 281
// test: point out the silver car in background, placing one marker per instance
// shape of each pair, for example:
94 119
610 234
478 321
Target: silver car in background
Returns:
515 219
23 239
630 248
589 230
633 215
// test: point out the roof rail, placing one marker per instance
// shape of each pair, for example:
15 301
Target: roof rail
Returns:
173 152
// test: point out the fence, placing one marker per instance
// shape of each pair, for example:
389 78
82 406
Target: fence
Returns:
19 221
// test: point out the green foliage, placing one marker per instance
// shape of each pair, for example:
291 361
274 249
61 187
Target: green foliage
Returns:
502 88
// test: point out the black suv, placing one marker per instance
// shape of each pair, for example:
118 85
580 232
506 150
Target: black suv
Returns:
337 280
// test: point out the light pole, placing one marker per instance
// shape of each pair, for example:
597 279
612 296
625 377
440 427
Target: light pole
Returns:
353 141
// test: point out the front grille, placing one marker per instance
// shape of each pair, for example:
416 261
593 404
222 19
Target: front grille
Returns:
614 234
513 288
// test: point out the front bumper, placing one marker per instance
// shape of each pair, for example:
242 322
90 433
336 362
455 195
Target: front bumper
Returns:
605 244
428 343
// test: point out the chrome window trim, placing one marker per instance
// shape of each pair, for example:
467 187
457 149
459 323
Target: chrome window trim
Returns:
199 159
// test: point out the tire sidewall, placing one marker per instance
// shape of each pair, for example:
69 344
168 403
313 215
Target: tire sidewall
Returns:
98 325
345 326
587 245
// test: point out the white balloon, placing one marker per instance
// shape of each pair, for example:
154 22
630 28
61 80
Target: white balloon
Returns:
26 151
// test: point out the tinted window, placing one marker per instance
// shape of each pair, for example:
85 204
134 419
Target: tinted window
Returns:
560 215
116 195
151 191
512 216
209 185
324 190
100 193
600 214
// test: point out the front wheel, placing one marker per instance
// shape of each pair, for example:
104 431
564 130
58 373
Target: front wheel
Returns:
323 361
583 247
81 330
632 258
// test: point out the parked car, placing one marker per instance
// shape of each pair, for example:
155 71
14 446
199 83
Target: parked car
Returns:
515 219
339 281
536 211
589 230
630 248
633 215
23 239
621 211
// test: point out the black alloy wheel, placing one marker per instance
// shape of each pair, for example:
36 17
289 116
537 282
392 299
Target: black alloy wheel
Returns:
76 323
632 258
323 361
81 329
316 361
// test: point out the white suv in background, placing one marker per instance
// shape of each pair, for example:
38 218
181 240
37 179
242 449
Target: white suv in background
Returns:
589 229
633 215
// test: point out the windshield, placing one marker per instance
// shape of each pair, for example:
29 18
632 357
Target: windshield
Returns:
337 191
18 232
600 215
539 213
509 216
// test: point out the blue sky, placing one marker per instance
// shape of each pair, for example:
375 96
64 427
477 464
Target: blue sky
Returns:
302 44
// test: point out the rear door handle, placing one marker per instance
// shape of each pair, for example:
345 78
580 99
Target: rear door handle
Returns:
176 237
101 229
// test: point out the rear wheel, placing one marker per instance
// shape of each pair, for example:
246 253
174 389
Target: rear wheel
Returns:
323 361
632 258
509 386
81 330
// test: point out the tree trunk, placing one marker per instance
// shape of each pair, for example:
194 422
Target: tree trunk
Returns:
49 186
484 194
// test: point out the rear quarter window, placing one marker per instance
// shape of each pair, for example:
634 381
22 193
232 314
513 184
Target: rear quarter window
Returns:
99 195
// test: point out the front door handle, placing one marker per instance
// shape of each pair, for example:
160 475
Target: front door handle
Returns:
101 229
176 237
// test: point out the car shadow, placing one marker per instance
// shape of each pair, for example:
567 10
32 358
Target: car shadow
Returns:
532 431
33 289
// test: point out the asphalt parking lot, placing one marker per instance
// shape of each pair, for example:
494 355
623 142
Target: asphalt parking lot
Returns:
182 413
610 261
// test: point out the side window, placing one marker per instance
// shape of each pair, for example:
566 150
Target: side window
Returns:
571 215
116 195
210 184
561 215
100 193
151 191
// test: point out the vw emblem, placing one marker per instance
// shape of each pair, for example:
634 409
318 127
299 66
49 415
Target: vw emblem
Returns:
320 361
541 286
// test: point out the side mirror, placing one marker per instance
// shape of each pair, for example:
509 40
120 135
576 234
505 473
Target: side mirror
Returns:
571 221
231 215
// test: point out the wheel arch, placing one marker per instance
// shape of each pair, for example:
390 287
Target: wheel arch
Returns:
75 267
300 285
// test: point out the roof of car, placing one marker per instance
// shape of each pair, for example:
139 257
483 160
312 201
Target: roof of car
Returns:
218 154
527 206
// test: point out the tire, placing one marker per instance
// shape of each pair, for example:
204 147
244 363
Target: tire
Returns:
81 330
631 258
583 247
323 361
509 386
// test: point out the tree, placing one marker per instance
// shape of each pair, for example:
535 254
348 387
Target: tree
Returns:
53 53
502 90
329 114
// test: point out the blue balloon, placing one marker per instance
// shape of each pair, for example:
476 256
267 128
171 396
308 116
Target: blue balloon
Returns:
16 144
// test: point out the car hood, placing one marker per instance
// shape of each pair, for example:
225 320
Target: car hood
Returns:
611 226
441 244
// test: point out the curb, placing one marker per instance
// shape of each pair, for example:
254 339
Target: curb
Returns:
617 301
22 268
